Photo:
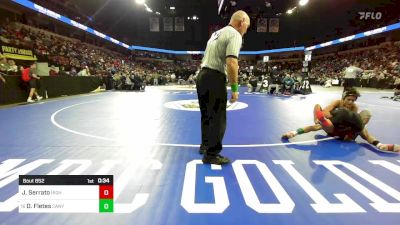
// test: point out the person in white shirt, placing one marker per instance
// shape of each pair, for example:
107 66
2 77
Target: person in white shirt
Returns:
84 72
173 78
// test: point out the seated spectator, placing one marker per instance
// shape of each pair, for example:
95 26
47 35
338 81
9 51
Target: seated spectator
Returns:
243 79
328 83
274 85
162 80
305 87
118 81
12 68
139 83
61 71
129 84
84 72
180 80
287 84
173 77
2 79
252 84
264 84
396 96
53 71
72 72
3 38
3 64
190 80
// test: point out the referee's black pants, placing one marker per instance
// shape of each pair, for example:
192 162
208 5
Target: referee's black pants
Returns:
212 95
348 83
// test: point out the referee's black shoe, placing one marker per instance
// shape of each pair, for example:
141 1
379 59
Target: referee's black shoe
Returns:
218 159
202 149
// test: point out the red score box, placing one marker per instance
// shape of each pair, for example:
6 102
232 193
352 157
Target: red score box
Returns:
106 191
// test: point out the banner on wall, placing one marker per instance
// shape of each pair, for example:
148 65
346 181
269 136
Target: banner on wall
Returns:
16 52
179 24
262 25
168 23
274 25
154 24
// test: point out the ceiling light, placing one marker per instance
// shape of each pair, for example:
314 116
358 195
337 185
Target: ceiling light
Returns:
140 2
149 10
290 11
172 8
303 2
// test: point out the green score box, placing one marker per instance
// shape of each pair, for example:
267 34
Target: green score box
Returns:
106 205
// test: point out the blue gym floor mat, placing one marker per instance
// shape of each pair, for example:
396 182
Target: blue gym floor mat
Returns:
152 151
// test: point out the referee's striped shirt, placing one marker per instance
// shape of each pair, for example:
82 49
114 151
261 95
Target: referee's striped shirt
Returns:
223 43
352 72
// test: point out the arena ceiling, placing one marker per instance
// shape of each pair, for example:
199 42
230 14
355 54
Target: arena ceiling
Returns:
318 21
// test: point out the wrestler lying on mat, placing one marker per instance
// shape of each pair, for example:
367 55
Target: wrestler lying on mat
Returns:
346 125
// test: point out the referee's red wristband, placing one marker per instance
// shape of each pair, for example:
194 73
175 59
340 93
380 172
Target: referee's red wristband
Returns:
235 87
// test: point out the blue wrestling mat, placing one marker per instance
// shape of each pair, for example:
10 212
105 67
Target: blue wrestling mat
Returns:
149 141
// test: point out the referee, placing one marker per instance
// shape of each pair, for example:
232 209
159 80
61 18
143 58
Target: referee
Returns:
350 75
220 58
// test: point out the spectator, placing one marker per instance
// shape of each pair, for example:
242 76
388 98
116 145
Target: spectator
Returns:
155 79
84 72
3 64
2 78
173 77
12 68
53 71
190 79
288 84
72 72
252 84
61 71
